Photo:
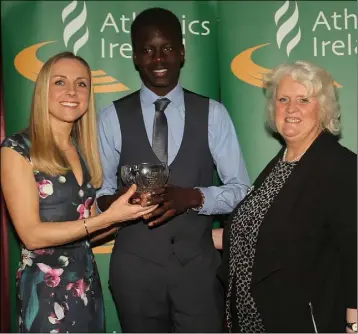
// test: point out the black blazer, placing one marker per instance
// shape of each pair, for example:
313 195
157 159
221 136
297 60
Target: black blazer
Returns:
305 269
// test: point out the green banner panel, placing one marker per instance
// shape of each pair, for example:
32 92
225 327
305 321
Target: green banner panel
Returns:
255 36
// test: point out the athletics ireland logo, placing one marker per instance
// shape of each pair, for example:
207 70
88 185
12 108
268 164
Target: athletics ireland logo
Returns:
286 27
28 64
75 25
288 36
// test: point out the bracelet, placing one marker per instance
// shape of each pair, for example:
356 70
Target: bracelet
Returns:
85 224
352 326
202 201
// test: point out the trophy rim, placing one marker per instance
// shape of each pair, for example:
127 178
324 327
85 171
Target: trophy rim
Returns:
147 164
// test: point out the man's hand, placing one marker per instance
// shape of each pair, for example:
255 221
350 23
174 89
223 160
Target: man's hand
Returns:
175 200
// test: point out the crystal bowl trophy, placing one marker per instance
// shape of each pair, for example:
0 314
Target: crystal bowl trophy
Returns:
146 176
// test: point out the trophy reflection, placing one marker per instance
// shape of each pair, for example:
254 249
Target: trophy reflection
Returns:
146 176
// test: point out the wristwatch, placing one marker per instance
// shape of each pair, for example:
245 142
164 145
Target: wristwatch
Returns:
352 326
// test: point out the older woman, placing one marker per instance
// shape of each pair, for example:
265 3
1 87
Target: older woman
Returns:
290 245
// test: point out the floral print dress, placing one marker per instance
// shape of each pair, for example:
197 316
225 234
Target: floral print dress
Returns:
58 288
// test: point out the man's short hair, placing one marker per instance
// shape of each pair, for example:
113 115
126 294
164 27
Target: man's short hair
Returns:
160 18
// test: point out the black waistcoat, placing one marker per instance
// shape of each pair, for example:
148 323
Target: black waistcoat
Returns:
188 234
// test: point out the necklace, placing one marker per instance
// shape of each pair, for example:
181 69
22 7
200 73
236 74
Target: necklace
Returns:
293 160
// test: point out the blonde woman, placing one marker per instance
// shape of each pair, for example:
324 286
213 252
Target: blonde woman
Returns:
49 174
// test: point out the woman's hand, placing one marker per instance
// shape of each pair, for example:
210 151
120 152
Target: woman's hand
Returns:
217 235
351 317
121 210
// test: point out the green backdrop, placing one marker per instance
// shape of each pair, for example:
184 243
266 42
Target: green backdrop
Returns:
323 32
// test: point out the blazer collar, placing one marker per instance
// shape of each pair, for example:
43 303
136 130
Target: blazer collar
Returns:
312 154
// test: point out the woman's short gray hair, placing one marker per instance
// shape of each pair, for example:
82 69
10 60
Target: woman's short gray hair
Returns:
317 81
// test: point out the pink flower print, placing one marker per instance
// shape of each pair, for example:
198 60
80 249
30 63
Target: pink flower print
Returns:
52 276
84 209
45 188
58 315
40 251
53 319
52 280
18 273
78 289
44 251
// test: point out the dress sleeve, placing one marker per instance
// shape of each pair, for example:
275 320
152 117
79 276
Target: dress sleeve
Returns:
19 143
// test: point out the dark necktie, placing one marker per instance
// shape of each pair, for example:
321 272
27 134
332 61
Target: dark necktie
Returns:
160 130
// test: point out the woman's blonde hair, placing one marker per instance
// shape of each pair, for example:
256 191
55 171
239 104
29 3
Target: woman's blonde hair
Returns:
317 81
45 154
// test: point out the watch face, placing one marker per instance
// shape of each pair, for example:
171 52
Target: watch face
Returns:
354 327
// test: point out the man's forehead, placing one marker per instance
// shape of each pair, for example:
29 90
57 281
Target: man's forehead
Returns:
150 32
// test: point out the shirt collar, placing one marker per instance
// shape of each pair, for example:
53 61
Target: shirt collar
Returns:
176 96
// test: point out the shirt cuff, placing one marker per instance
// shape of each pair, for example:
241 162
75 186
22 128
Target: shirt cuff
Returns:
208 202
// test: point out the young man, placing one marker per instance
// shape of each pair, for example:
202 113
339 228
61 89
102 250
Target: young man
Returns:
163 274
